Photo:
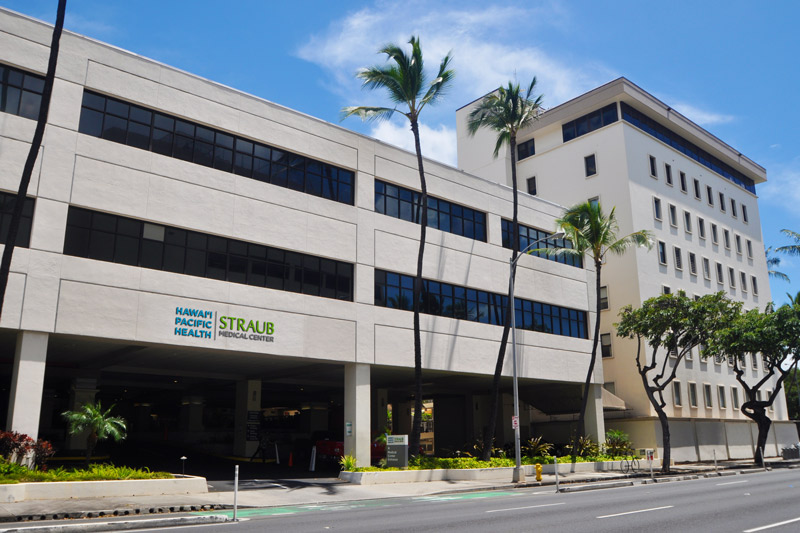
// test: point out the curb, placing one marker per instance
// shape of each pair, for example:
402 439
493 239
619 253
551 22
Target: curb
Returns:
146 523
109 513
581 488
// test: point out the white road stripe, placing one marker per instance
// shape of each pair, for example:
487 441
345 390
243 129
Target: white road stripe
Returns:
732 482
634 512
528 507
770 526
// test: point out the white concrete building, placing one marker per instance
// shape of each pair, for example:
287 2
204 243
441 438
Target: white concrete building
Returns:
663 173
202 257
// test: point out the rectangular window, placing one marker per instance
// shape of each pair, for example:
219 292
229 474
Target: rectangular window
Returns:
754 361
726 239
701 228
532 186
529 235
722 202
590 165
687 221
768 393
20 92
683 181
744 214
692 394
146 129
692 264
525 149
731 278
117 239
749 245
653 167
737 240
735 396
7 201
589 122
720 279
673 216
668 174
676 393
678 259
402 203
723 401
662 252
603 298
396 291
696 183
665 289
656 208
754 284
706 268
709 195
595 201
734 214
743 281
709 400
714 234
605 344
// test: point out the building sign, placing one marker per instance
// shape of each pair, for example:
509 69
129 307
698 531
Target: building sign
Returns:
253 425
397 451
206 324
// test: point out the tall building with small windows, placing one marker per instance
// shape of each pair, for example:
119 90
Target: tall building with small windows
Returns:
661 172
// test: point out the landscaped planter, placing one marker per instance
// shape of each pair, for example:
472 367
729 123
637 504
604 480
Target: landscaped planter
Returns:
480 474
65 490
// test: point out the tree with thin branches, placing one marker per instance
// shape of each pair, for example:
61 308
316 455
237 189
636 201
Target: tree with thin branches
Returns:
594 234
506 111
100 425
33 153
406 82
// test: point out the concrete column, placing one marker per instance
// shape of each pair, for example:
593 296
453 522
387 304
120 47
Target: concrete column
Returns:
27 383
82 391
357 440
192 413
594 422
248 413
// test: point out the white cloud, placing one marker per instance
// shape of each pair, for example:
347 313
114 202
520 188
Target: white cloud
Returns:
775 146
437 143
782 189
701 116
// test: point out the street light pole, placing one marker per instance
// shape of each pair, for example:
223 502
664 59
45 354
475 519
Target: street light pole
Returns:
519 473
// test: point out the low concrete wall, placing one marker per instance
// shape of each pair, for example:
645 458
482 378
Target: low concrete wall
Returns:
65 490
477 474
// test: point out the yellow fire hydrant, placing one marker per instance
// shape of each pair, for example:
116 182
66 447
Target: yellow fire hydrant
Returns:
538 472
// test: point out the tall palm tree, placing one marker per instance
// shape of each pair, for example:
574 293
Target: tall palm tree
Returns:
506 111
405 80
100 424
773 262
790 249
33 153
594 234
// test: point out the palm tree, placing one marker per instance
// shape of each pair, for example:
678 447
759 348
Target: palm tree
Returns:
100 424
407 84
594 234
506 111
33 152
773 262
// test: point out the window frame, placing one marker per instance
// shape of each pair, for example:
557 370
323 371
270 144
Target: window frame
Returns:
682 178
668 174
737 243
529 181
726 238
657 211
672 210
701 228
692 394
678 255
745 217
698 193
731 277
734 212
586 168
722 206
754 285
720 273
692 264
604 297
677 399
749 247
687 222
661 249
606 348
735 403
708 396
653 167
722 397
706 268
714 234
710 195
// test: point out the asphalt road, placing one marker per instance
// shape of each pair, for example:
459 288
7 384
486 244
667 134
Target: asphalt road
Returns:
747 503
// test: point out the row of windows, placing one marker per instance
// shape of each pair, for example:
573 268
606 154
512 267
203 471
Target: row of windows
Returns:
117 239
396 291
697 190
589 122
528 236
708 396
402 203
20 92
118 121
687 148
688 227
7 201
706 266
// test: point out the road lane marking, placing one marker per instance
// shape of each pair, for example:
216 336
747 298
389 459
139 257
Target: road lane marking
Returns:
732 482
528 507
770 526
639 511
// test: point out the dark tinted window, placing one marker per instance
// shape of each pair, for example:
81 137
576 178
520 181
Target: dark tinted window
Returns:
589 122
529 235
7 202
20 92
526 149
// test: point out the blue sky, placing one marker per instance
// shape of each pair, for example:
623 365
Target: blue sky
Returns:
731 66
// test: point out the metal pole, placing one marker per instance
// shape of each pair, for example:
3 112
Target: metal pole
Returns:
555 467
235 492
716 470
519 474
277 455
313 465
650 460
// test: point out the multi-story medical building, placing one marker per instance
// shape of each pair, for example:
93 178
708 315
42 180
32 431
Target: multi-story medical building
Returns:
214 263
661 172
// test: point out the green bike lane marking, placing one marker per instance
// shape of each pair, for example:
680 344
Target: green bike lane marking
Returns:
251 512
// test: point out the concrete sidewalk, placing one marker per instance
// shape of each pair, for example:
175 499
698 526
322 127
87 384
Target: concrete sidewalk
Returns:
289 492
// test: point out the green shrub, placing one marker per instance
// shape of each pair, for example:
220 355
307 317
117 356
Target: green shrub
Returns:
347 463
617 442
586 447
13 473
535 447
